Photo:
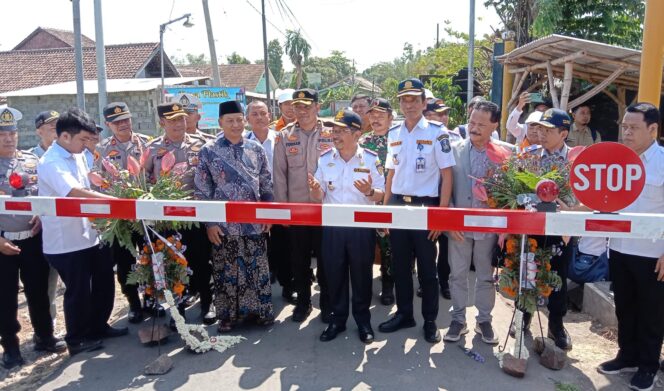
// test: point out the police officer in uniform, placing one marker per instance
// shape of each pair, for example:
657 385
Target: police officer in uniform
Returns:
296 155
191 105
123 142
419 160
21 251
185 147
45 129
348 174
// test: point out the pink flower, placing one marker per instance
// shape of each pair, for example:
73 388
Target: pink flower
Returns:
497 154
95 178
145 155
133 166
110 167
180 168
167 161
574 152
479 192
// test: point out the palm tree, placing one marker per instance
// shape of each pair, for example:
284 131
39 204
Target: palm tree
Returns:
297 48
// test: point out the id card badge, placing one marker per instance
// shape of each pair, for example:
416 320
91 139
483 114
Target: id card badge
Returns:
420 164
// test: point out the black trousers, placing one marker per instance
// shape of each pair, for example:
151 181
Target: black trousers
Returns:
409 244
443 264
31 266
303 242
557 305
278 254
198 254
639 309
124 260
90 290
349 251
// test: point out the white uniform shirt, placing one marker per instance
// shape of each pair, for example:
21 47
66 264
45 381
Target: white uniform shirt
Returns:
336 176
651 200
268 144
59 172
592 245
427 141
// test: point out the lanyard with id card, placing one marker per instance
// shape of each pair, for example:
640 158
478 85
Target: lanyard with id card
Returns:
420 163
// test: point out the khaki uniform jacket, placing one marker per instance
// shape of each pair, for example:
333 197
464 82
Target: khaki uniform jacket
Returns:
186 151
296 155
116 152
23 163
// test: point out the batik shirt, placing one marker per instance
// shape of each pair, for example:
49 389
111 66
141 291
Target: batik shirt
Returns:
233 172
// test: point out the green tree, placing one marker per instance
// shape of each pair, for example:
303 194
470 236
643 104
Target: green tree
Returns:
191 59
274 61
332 69
235 58
616 22
298 49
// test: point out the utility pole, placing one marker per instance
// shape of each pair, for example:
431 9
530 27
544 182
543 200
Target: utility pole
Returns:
78 54
216 79
265 59
101 66
471 52
437 35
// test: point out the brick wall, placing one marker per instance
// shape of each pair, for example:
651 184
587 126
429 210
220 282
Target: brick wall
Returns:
141 104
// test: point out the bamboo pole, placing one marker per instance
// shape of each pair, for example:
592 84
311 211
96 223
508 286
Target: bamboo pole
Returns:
567 84
595 90
552 88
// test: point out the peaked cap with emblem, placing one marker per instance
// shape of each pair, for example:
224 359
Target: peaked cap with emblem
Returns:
46 117
346 119
380 104
555 118
116 111
412 86
306 96
9 119
171 110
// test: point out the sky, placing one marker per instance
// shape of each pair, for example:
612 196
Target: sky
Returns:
368 31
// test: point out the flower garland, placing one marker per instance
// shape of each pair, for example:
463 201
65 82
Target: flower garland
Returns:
195 336
537 280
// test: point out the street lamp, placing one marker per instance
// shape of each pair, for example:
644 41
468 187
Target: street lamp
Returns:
162 28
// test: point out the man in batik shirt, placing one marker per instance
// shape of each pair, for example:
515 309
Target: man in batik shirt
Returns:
380 117
236 169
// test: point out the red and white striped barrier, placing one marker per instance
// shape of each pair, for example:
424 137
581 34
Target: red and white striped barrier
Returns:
632 225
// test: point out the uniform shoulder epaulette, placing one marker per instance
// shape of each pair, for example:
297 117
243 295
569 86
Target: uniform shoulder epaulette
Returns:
436 123
370 152
442 136
28 153
326 152
532 148
393 127
289 126
154 141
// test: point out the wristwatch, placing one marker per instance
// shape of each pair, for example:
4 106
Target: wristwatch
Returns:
371 193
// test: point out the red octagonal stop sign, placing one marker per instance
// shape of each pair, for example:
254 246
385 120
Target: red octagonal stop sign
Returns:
607 176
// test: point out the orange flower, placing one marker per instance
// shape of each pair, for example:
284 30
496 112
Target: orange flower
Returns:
178 245
546 291
149 290
146 249
533 244
105 184
547 266
508 263
504 167
511 246
181 260
144 260
491 202
178 288
92 219
171 239
509 292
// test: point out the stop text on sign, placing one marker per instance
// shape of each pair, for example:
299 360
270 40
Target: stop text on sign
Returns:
613 177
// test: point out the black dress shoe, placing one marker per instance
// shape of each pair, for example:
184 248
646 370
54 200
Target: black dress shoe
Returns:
301 312
135 316
445 292
332 331
189 300
110 332
431 332
88 345
50 344
561 337
209 316
12 358
366 333
289 295
397 322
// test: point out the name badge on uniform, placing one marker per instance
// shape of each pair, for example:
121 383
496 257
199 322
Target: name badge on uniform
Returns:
420 164
363 170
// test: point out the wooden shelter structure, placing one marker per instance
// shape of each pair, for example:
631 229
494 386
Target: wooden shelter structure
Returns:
566 58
